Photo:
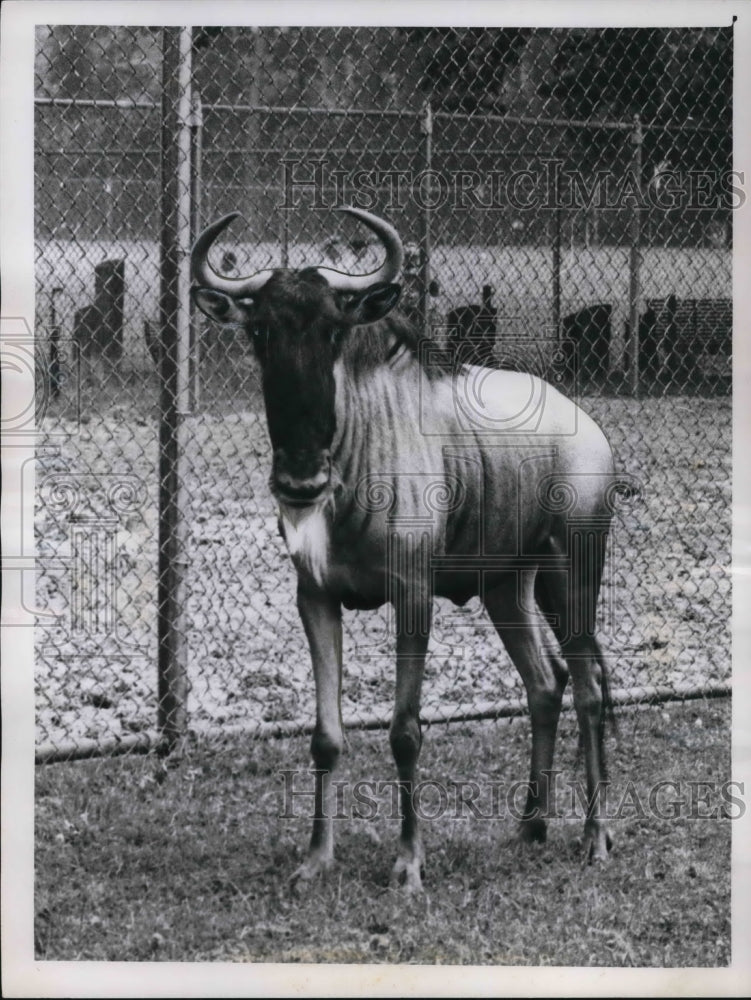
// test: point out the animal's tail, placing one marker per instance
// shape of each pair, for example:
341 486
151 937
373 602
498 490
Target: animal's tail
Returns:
607 716
608 707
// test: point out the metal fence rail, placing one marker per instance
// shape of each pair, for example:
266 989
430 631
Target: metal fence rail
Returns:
578 231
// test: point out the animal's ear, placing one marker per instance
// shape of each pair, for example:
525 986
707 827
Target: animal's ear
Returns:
222 308
372 304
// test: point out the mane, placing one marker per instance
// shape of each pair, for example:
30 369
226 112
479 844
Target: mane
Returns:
368 347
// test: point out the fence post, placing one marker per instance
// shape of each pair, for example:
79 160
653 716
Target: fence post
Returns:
634 262
557 213
427 130
175 331
196 183
285 238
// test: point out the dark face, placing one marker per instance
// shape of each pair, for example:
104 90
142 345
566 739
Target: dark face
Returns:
296 332
297 325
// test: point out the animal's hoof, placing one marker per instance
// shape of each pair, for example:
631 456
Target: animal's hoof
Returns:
312 868
533 831
407 873
407 880
597 846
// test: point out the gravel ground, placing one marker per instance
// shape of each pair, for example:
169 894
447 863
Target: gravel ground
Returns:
665 609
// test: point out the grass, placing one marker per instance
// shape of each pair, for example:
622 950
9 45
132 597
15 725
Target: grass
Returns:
136 861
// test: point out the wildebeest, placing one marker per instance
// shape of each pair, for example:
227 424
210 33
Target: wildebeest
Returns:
399 477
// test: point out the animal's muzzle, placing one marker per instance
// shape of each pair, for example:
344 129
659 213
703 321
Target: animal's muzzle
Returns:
301 478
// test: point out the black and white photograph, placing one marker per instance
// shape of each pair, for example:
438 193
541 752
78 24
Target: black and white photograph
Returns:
372 535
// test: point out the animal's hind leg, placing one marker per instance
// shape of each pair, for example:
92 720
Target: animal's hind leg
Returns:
572 596
545 600
511 609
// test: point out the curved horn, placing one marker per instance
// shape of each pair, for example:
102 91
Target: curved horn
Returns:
204 274
390 268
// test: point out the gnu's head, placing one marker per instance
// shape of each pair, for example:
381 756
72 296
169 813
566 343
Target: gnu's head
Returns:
297 321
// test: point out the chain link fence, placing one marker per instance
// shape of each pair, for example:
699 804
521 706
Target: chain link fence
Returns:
565 198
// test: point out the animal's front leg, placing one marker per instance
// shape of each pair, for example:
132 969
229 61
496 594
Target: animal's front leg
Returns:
321 617
413 630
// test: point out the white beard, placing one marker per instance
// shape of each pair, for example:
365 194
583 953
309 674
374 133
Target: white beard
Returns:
306 533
